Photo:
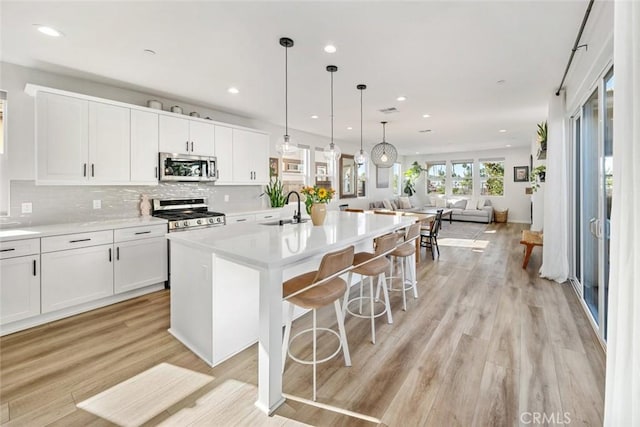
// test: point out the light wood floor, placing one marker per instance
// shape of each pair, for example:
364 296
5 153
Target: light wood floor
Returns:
486 343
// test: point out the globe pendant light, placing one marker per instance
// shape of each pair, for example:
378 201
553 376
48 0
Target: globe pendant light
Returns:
383 154
332 151
286 146
361 156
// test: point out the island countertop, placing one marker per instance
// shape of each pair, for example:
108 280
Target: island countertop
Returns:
269 246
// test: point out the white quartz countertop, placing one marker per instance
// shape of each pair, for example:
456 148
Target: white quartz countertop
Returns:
274 246
19 233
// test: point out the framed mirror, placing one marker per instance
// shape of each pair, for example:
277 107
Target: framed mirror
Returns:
348 177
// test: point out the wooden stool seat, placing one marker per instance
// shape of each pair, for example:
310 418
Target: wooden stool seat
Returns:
371 268
405 252
530 239
315 297
404 249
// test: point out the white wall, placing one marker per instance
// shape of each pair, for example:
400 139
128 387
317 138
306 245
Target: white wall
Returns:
515 199
19 164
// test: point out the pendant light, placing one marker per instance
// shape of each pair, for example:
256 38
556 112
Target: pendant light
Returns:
383 154
332 151
286 146
361 156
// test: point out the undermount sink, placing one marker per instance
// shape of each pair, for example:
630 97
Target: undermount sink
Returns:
283 222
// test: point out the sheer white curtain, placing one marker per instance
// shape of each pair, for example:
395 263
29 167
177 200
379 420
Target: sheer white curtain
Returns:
622 398
555 261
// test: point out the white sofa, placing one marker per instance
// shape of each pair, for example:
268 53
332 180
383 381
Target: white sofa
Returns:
462 209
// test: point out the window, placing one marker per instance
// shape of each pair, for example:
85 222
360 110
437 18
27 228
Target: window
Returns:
462 178
492 177
397 181
436 177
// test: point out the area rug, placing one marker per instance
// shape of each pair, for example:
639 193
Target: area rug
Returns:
140 398
463 235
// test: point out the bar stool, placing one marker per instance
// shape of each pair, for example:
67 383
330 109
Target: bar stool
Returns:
406 252
429 236
314 290
372 265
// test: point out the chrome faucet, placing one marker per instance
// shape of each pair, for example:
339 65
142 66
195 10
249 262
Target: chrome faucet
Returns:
297 215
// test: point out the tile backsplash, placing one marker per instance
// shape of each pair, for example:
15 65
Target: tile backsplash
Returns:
63 204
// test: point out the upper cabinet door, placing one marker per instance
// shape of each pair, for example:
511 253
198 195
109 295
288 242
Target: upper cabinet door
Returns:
260 152
61 138
250 157
144 147
109 143
224 154
174 135
201 138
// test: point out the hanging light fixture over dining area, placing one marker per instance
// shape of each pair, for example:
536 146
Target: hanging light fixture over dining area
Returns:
361 157
332 152
286 145
383 154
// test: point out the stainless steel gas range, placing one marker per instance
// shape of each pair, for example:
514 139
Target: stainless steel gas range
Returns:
187 214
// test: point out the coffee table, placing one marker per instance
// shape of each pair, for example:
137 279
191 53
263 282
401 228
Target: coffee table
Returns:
432 211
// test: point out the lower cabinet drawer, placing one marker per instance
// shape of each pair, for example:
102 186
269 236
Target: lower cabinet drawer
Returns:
16 248
76 276
143 232
77 240
233 219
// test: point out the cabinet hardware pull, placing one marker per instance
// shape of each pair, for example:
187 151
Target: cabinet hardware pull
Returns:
34 268
240 220
192 146
156 171
187 146
79 240
268 216
143 232
7 250
118 253
84 169
109 254
93 170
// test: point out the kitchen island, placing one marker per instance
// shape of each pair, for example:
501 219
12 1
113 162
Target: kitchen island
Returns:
226 284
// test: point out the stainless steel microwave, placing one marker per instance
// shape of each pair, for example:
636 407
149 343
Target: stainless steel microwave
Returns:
187 167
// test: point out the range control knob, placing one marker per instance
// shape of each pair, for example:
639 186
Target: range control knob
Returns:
176 225
186 223
198 221
212 220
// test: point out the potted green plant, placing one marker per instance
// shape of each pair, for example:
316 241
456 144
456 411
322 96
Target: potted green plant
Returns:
275 191
542 135
411 175
537 176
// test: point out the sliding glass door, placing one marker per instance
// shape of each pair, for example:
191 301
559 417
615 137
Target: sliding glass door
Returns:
593 142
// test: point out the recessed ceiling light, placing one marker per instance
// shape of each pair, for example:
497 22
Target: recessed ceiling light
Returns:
426 116
417 152
508 145
233 90
349 128
149 51
502 130
52 32
314 117
401 98
330 48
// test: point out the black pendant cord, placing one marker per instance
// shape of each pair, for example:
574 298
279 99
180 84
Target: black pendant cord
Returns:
384 137
575 45
286 91
361 119
332 110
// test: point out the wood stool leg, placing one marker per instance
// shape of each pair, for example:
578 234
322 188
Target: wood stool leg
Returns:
527 255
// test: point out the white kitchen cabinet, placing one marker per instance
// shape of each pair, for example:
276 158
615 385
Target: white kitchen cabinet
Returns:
140 257
19 280
250 157
144 147
185 136
62 138
224 154
109 143
236 218
75 276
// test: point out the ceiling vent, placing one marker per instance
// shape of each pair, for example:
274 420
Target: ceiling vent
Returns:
425 131
389 110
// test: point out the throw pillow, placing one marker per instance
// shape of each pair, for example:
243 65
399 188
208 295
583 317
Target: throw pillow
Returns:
404 203
441 203
481 203
387 204
472 204
459 204
394 206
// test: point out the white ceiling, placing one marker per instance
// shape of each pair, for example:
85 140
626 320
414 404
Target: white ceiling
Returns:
446 57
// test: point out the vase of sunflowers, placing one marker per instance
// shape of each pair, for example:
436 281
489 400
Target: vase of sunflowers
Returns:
316 199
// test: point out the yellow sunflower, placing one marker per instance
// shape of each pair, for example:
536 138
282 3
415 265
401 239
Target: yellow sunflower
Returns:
322 193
